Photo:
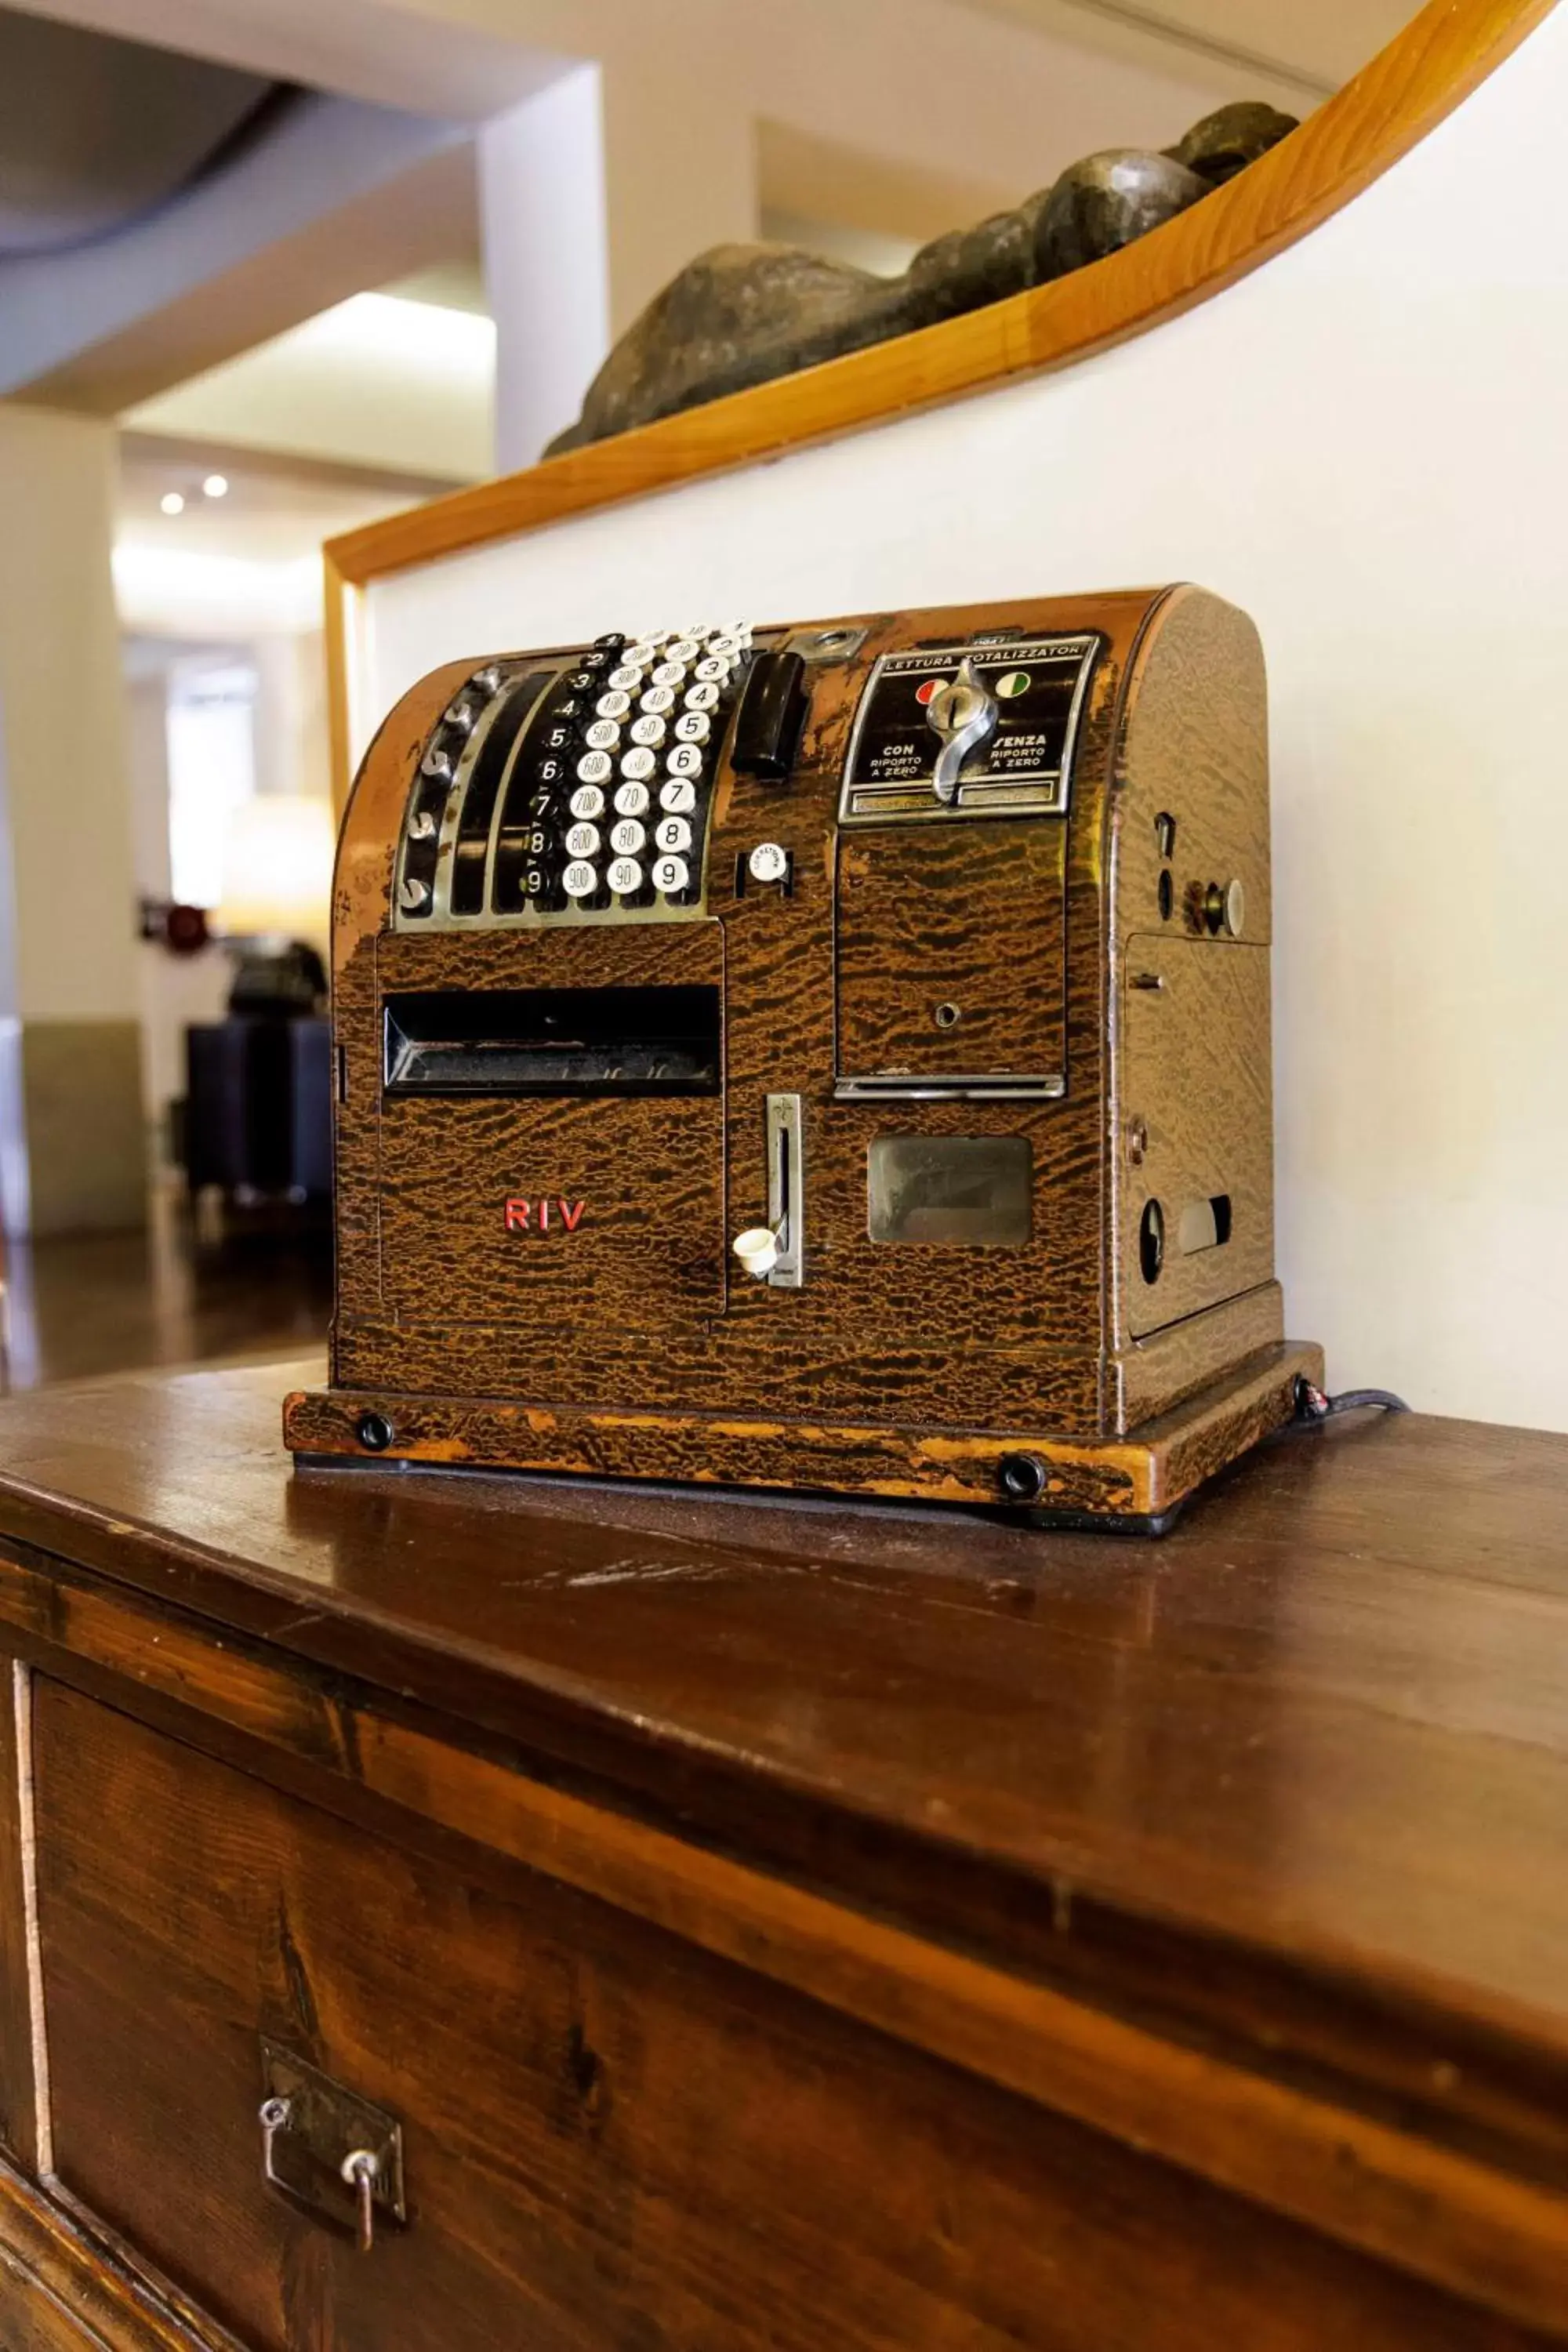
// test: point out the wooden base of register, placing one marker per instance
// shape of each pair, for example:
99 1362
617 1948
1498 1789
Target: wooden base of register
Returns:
450 1914
1135 1484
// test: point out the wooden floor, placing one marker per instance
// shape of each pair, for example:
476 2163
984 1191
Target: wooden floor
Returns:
185 1291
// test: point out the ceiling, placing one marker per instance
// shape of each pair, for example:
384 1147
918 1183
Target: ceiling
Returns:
243 565
95 131
1316 43
407 385
274 509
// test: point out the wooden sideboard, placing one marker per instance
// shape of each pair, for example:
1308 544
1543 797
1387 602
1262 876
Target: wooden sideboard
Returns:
771 1924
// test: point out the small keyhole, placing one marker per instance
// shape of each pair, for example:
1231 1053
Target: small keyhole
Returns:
1151 1241
947 1017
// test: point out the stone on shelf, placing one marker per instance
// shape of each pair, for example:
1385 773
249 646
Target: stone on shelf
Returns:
742 314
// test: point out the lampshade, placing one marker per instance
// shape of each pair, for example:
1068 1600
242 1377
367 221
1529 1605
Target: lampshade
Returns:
278 868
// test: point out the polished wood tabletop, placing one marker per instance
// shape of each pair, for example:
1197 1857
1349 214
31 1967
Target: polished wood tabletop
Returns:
1302 1767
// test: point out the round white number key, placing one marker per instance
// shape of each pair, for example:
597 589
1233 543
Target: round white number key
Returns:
614 705
673 834
631 800
628 677
670 874
713 669
677 796
701 697
580 880
669 673
588 800
683 649
602 736
694 727
769 862
581 840
594 767
629 836
624 876
686 760
648 729
659 699
638 763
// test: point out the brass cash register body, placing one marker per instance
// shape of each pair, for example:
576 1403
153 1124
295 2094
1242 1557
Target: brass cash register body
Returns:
832 1057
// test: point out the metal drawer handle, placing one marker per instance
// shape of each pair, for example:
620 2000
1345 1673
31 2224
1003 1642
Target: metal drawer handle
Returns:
362 2170
274 2119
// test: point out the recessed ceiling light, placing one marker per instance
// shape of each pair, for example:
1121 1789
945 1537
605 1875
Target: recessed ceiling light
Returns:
173 502
216 486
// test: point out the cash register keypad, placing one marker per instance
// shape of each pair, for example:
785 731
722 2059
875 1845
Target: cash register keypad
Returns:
607 805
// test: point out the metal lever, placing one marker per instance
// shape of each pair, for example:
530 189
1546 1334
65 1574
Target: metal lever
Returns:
362 2170
775 1252
963 714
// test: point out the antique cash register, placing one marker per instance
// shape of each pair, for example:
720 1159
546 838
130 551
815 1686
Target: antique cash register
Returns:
829 1057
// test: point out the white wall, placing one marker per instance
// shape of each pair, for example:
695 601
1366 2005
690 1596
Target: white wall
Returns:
172 991
72 1145
292 753
292 758
1362 443
543 221
62 718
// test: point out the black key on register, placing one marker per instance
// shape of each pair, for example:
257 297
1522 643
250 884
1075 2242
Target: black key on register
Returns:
772 714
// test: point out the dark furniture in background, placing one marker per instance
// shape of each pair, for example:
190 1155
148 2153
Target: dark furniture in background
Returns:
764 1927
257 1116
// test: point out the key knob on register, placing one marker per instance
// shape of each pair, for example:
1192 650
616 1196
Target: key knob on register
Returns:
758 1249
965 715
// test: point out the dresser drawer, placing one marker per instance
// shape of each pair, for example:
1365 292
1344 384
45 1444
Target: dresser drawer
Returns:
614 2142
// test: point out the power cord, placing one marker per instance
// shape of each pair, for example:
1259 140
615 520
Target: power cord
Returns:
1313 1406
